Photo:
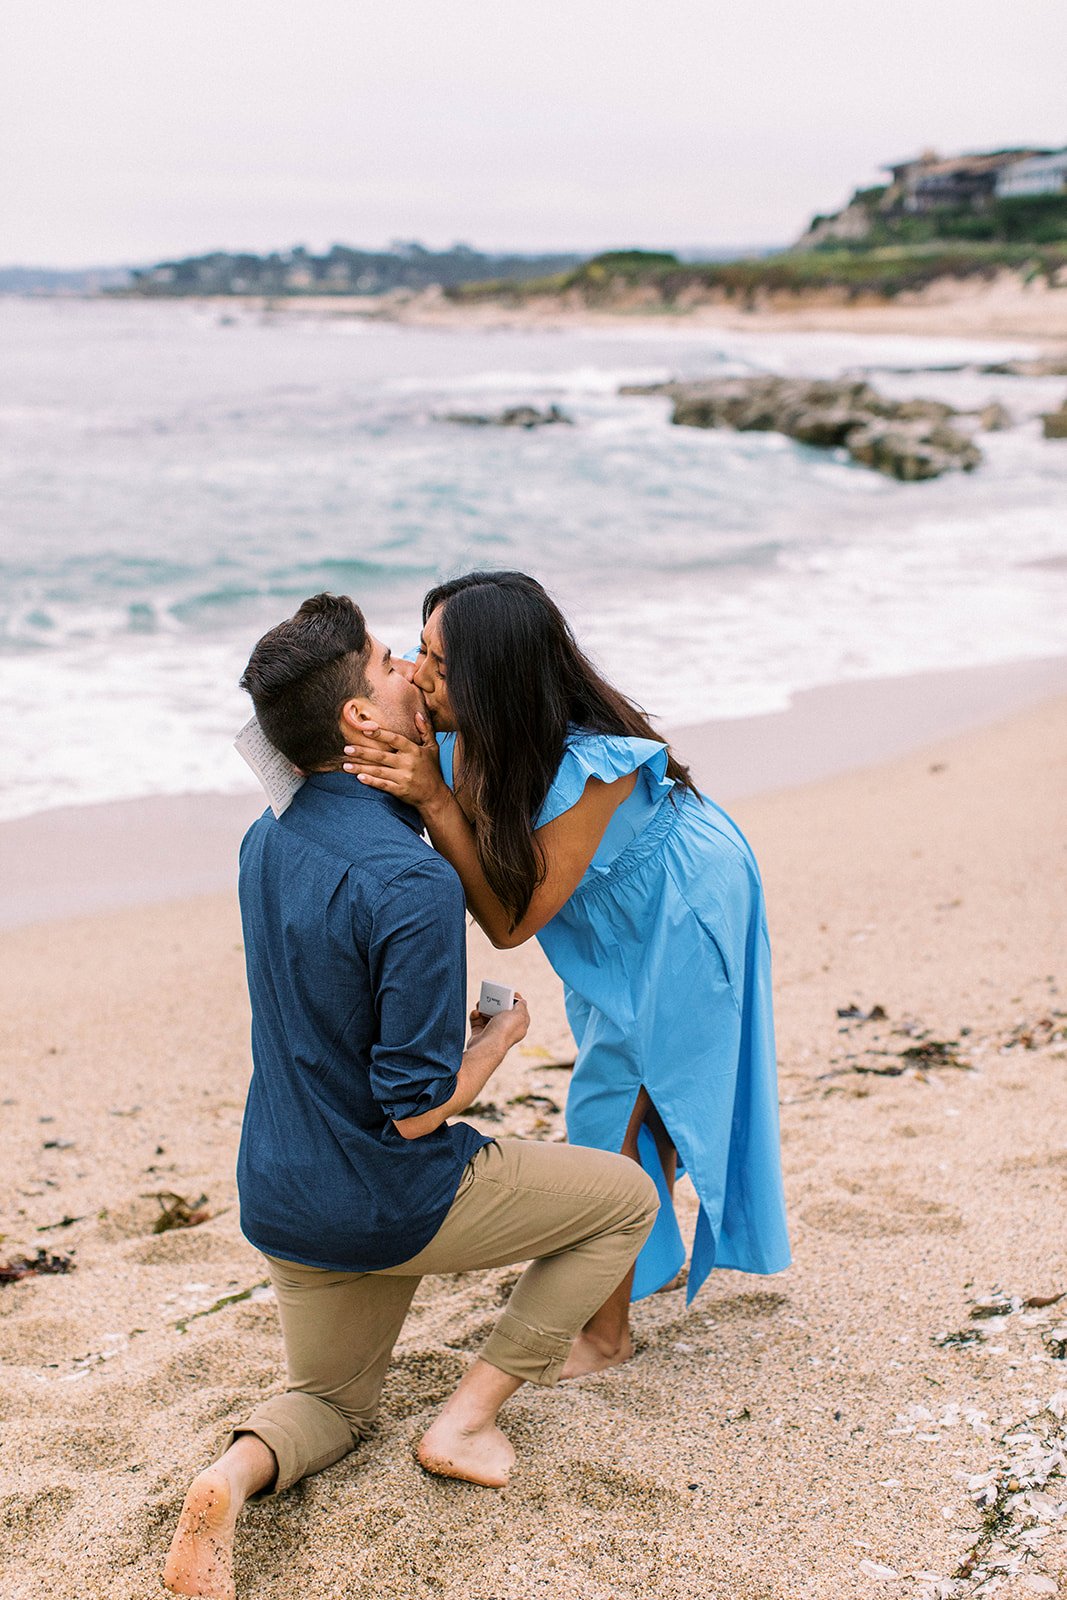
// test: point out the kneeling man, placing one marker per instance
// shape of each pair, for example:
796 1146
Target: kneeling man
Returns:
353 1182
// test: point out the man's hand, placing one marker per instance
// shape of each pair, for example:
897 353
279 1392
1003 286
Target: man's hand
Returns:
491 1039
510 1026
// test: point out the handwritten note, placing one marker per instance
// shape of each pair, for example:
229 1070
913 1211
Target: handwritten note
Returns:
278 776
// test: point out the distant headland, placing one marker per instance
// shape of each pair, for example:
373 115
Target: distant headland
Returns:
935 217
968 244
964 217
342 270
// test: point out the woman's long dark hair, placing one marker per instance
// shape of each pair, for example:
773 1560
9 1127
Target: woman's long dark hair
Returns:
517 681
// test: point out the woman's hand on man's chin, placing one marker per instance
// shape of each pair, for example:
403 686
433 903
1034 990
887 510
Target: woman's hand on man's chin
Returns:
402 767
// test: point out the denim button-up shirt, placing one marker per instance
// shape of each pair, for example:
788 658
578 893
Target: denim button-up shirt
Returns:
354 941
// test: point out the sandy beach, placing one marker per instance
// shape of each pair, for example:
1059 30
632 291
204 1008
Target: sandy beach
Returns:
1002 307
826 1432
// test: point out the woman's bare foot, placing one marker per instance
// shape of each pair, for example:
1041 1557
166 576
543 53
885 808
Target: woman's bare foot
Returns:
482 1455
589 1354
200 1561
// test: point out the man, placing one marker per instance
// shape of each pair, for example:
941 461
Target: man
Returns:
352 1181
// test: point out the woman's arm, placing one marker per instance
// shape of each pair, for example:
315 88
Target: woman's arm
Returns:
569 842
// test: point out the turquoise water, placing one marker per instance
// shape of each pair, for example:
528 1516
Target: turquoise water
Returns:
172 482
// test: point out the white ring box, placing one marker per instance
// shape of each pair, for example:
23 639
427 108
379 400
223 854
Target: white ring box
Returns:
494 998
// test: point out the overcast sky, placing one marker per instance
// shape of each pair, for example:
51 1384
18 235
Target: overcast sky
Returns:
131 130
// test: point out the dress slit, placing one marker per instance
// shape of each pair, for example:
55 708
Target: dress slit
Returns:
663 1255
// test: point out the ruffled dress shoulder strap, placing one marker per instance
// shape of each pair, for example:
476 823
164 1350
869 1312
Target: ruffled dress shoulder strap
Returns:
606 756
446 750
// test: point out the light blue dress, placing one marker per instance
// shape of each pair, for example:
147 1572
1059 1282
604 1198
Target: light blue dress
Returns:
665 960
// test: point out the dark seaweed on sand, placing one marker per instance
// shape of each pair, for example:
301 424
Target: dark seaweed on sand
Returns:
177 1212
40 1265
935 1053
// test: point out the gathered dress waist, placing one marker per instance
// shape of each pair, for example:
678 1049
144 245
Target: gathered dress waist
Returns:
656 830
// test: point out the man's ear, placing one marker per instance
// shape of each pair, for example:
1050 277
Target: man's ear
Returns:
356 711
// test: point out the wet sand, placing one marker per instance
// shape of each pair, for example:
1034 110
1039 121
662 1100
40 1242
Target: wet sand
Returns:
811 1434
78 859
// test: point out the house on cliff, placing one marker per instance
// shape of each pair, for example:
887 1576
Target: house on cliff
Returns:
930 188
931 183
1037 175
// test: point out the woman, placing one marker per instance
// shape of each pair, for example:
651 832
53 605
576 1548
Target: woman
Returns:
568 819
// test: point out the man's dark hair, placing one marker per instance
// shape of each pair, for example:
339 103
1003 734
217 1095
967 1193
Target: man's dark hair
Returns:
301 673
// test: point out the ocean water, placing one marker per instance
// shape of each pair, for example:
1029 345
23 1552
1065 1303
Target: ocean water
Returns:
173 481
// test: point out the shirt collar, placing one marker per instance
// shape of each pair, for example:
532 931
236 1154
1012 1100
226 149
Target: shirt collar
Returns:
350 788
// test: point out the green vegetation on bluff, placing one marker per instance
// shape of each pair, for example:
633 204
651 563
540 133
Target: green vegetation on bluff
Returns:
882 272
1039 219
967 216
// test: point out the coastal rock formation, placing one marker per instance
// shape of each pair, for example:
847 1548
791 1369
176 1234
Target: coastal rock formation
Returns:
912 453
906 439
510 417
1054 423
1050 366
995 418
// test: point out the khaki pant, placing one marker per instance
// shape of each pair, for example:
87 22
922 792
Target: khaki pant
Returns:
583 1214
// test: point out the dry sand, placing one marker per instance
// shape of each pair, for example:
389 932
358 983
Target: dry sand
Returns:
755 1447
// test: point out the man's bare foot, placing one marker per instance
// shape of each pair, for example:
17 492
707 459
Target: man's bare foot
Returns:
590 1355
200 1561
477 1455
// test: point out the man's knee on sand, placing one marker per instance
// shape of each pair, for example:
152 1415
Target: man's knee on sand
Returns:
359 1420
361 1423
307 1432
638 1191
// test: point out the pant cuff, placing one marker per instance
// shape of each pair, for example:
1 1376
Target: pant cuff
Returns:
298 1450
527 1353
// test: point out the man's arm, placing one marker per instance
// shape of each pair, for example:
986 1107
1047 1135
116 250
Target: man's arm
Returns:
419 1072
488 1045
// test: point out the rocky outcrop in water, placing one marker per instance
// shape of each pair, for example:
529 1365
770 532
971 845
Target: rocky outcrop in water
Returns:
511 417
1050 366
1054 423
994 418
906 439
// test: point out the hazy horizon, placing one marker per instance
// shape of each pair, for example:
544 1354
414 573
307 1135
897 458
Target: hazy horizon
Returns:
133 134
685 252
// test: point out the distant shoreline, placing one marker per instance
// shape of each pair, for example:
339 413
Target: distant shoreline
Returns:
1004 307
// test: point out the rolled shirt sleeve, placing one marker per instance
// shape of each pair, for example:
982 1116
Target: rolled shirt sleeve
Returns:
418 966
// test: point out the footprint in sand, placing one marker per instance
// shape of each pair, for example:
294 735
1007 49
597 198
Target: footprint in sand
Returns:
741 1307
474 1336
1037 1161
131 1220
23 1514
211 1376
76 1442
420 1379
184 1247
698 1335
29 1340
596 1487
897 1214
